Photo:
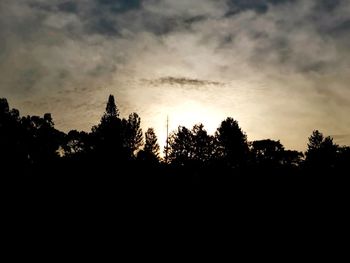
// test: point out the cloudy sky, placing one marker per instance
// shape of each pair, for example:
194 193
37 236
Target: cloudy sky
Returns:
280 67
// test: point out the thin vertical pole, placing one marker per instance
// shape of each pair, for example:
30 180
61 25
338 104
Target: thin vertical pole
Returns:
167 141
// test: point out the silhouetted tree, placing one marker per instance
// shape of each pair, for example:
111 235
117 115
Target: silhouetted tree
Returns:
343 159
133 138
32 145
151 145
42 139
150 152
321 151
77 143
232 143
110 119
271 154
267 153
292 158
180 146
315 141
11 136
28 140
4 107
117 139
111 108
107 136
194 146
203 144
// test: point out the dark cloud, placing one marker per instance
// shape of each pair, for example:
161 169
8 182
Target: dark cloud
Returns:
68 6
292 35
182 81
119 6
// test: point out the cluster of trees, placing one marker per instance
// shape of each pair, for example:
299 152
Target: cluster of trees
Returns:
31 142
27 141
229 147
114 139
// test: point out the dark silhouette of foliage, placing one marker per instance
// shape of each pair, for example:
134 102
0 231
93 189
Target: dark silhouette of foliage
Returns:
203 144
150 152
343 159
194 146
267 152
107 136
180 146
11 135
151 144
98 170
232 143
116 139
315 141
133 138
321 151
109 159
4 106
292 158
111 108
271 154
30 140
44 140
77 143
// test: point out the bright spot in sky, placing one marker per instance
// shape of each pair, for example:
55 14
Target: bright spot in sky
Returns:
189 113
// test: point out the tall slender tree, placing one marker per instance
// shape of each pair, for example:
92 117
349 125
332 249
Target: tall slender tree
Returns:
133 137
108 136
150 152
111 108
151 144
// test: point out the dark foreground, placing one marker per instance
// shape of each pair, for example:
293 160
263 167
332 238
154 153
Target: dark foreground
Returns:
165 185
164 204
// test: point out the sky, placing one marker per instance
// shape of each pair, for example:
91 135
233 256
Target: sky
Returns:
279 67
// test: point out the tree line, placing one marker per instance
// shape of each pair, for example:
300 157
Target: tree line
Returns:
32 145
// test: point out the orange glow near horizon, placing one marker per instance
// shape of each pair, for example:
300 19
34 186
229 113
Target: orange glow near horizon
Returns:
186 114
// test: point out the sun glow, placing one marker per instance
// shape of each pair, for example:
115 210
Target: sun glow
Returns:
188 114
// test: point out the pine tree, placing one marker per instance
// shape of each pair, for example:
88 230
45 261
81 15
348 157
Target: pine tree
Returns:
315 141
151 145
111 108
108 135
321 151
133 137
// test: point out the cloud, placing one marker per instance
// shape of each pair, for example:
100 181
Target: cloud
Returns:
341 138
186 9
182 81
279 60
